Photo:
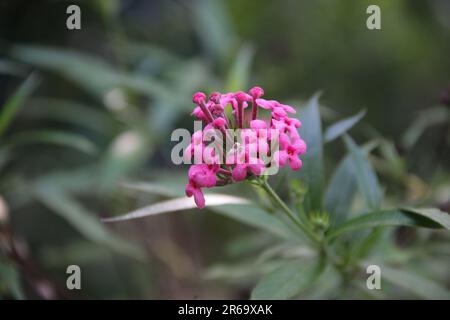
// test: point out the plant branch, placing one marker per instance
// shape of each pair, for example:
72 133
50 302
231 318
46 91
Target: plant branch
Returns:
276 199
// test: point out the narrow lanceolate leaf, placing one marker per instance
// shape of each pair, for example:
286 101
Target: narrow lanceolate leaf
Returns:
287 281
61 203
341 190
11 68
431 117
339 128
214 28
342 187
420 286
240 72
61 138
162 188
256 217
236 208
436 215
427 218
13 104
365 175
183 203
90 72
125 153
71 112
312 171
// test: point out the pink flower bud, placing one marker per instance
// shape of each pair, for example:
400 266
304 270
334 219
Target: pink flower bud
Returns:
239 172
295 163
258 124
242 96
199 98
219 122
256 92
215 97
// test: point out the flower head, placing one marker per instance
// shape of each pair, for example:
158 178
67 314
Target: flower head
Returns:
247 140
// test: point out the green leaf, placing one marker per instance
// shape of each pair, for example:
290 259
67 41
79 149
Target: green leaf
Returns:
239 75
70 112
91 73
313 167
232 207
365 176
167 183
213 26
339 128
342 187
422 287
53 197
154 188
10 278
126 153
256 217
438 216
80 181
390 163
427 218
11 68
83 251
144 52
287 281
178 204
61 138
13 104
432 117
361 249
341 190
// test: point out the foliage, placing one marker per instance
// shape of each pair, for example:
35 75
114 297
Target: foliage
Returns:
343 246
84 133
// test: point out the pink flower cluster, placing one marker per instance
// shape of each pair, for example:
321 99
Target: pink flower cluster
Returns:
242 160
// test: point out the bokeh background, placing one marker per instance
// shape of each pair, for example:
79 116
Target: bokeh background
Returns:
91 136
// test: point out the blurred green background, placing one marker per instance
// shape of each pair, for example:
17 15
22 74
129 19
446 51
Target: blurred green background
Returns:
89 113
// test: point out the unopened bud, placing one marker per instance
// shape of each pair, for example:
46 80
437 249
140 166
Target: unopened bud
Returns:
199 98
256 92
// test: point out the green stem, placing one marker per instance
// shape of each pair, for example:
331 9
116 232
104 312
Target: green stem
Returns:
326 253
265 185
